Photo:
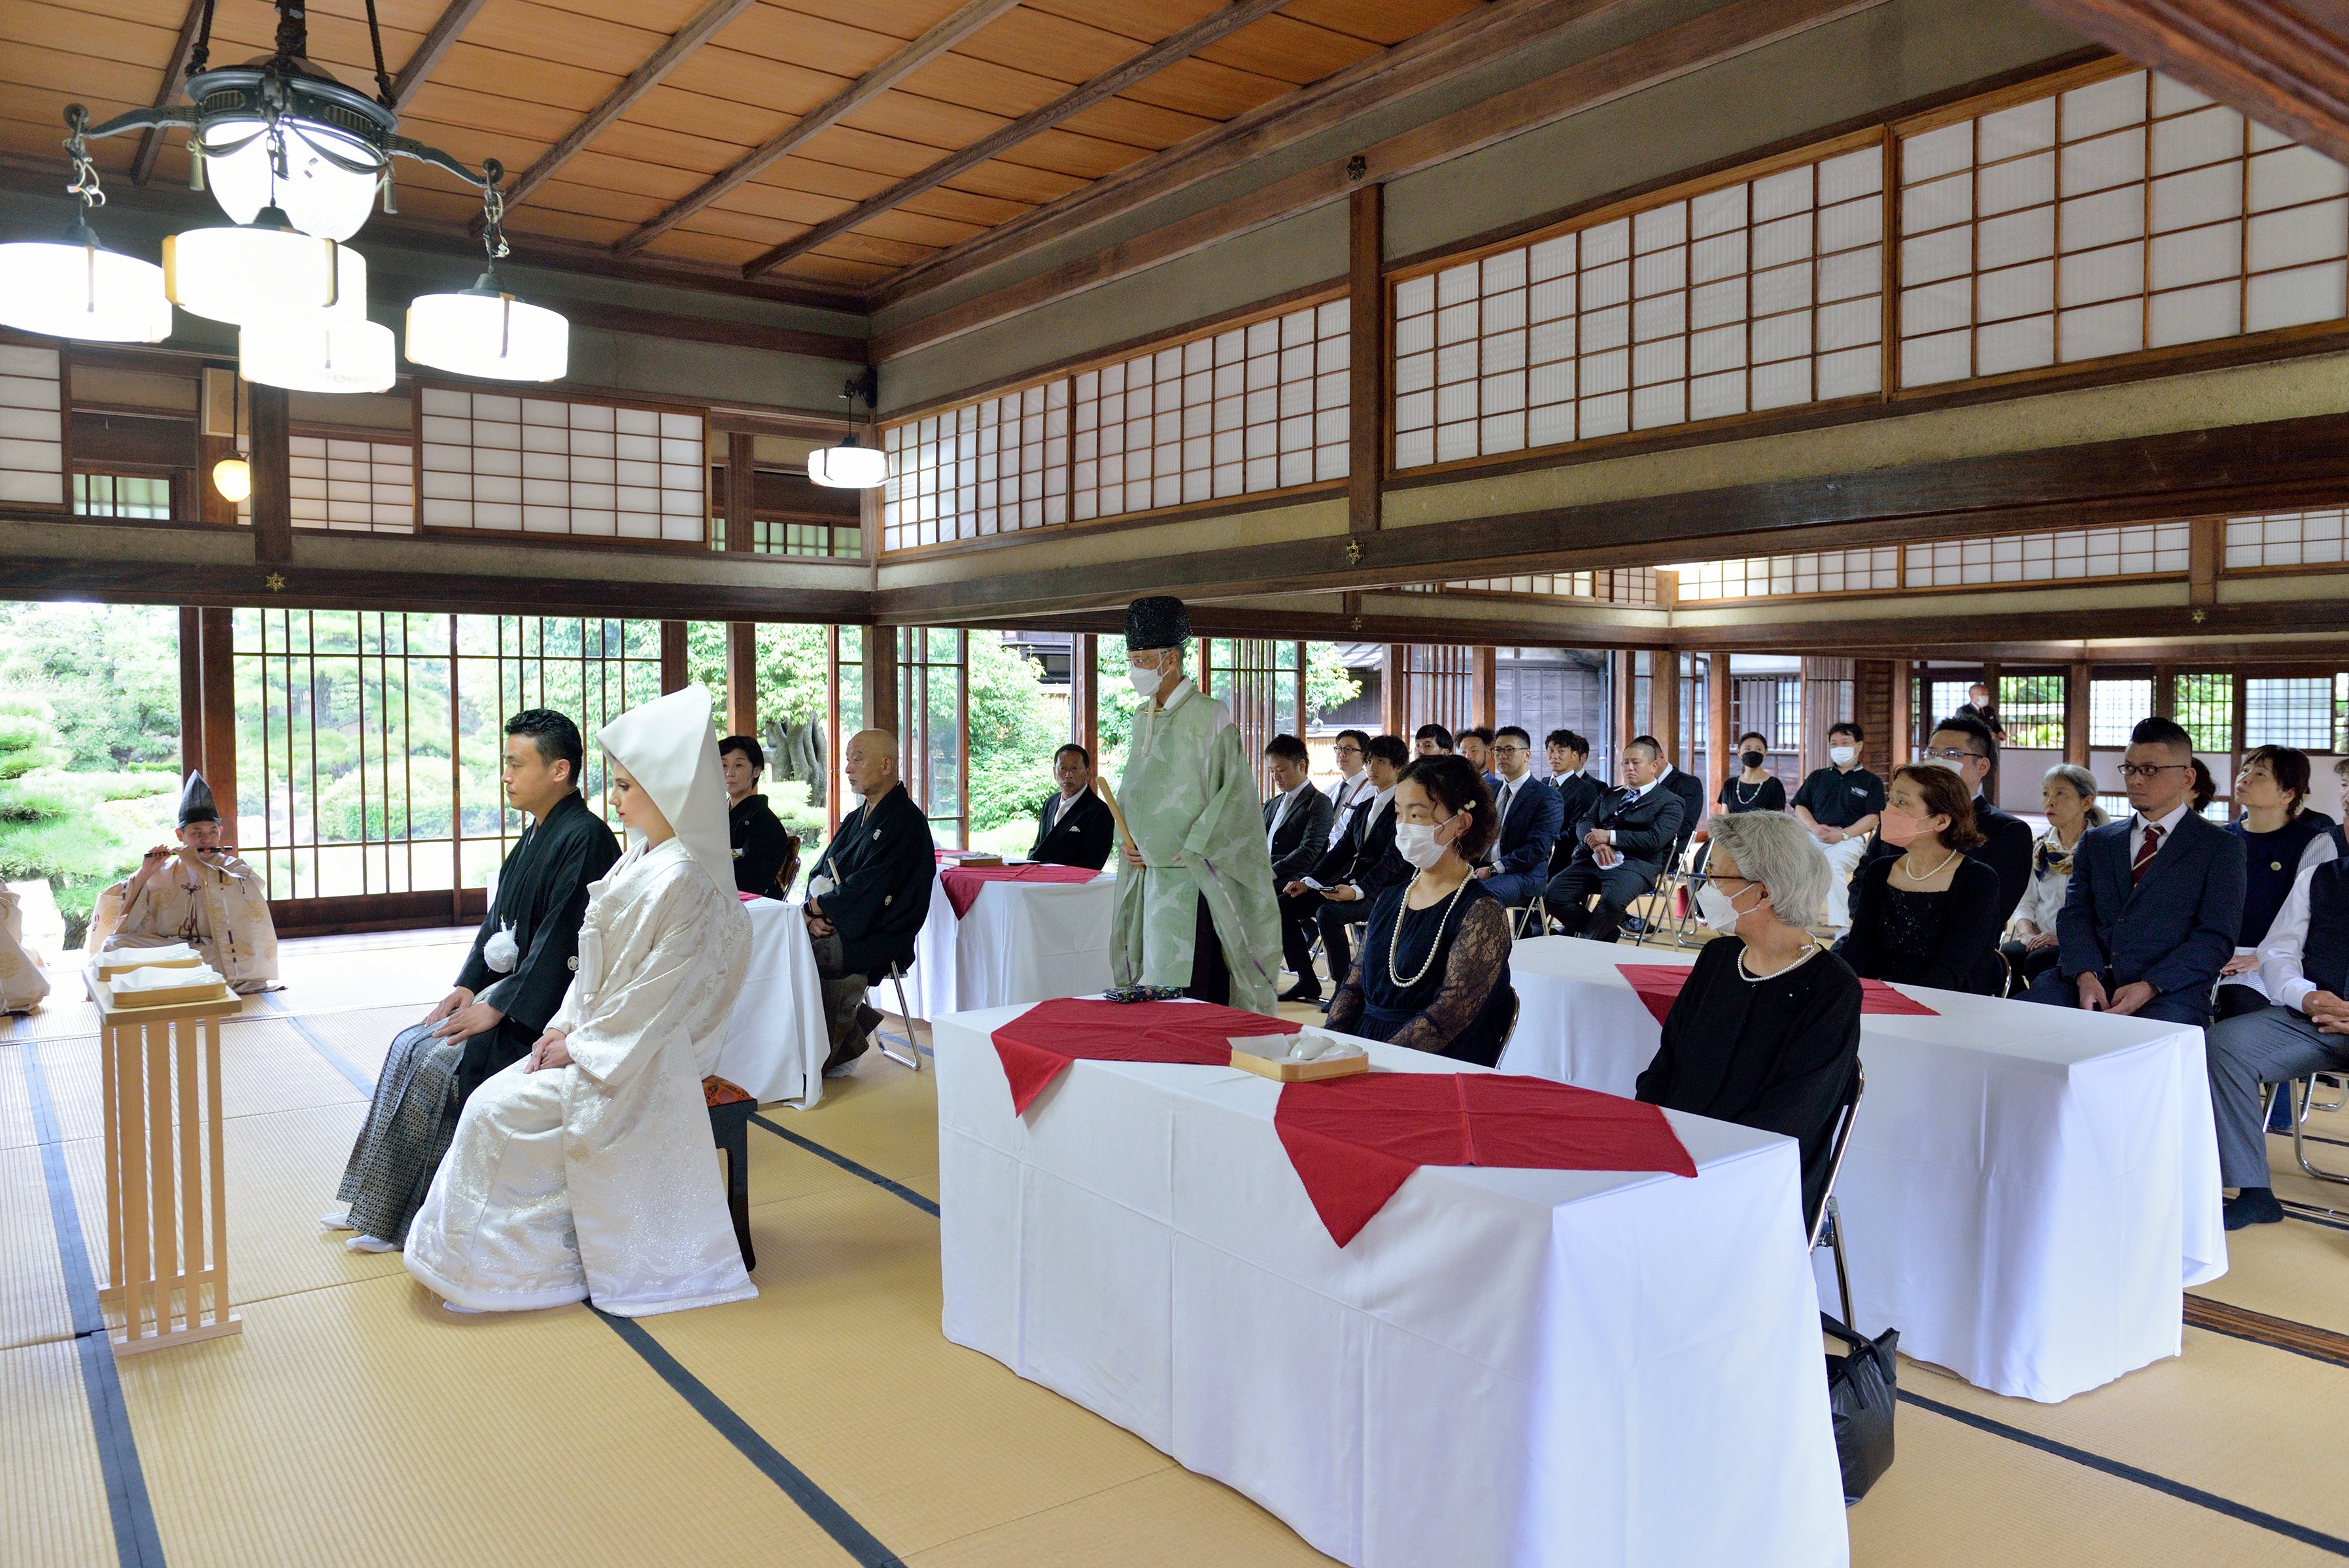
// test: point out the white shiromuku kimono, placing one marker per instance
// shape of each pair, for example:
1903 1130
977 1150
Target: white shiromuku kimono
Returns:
598 1179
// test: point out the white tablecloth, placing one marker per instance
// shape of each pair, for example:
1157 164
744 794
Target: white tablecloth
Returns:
2029 1190
1521 1368
1021 942
775 1044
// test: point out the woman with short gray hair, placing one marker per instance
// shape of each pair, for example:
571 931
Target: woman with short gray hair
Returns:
2067 793
1765 1032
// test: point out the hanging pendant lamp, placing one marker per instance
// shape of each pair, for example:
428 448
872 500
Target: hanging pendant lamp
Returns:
484 331
74 286
849 465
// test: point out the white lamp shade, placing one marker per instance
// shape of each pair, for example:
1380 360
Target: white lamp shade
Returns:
84 291
320 198
488 335
848 468
257 276
318 354
232 477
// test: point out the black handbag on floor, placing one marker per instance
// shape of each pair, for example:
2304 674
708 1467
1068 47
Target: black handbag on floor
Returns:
1863 1385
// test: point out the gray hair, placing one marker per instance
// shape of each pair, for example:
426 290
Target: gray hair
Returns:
2083 783
1777 851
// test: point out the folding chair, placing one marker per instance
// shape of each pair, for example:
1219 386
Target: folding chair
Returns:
1828 1227
1532 917
2302 1091
913 1056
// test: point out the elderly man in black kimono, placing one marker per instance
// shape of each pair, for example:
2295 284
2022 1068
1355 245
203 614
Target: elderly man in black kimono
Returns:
868 895
512 982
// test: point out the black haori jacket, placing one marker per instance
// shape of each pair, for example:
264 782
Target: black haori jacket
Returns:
543 893
881 862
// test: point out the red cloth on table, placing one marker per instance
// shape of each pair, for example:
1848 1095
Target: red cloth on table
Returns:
747 897
1038 1046
1354 1141
963 882
1659 986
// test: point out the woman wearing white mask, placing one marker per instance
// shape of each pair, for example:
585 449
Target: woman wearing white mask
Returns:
1434 973
1929 915
1765 1032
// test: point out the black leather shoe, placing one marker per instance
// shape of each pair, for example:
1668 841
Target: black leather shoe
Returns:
2252 1206
1301 992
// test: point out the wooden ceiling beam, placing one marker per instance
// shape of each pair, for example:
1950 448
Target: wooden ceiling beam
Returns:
2285 65
436 45
640 81
1176 46
1737 28
1466 42
970 19
175 77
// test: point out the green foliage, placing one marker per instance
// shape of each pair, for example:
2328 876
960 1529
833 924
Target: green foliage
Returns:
791 660
1013 733
111 671
1328 684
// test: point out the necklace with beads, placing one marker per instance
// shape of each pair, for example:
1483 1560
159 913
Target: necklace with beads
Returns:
1394 937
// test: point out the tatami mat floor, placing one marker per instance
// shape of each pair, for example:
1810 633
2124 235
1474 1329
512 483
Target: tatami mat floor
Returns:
828 1422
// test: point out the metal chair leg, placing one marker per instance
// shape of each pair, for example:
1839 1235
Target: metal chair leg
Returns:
913 1056
2303 1092
2340 1086
1834 1241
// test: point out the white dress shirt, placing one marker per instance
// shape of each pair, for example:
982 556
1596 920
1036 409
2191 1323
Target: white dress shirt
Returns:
2168 825
1508 793
2280 974
1054 807
1379 803
1280 810
1343 797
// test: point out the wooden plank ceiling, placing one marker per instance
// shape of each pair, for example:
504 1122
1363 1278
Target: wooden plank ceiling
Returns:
662 116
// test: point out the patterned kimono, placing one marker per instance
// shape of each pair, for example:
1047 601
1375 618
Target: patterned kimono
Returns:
1189 799
220 908
22 983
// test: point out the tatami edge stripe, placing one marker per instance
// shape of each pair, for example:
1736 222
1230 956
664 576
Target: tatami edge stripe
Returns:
852 1167
2262 1328
137 1541
362 1081
2143 1478
814 1500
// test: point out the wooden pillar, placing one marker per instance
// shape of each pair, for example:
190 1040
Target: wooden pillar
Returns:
1484 700
832 749
218 707
1084 693
742 497
1664 701
880 679
1717 693
2165 691
672 656
273 474
211 506
1304 720
2076 688
1366 349
1990 679
191 688
2206 546
742 669
1901 741
1626 699
1393 662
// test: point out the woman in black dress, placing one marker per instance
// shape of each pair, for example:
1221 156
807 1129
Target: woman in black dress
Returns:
1930 916
1754 788
1434 973
1765 1032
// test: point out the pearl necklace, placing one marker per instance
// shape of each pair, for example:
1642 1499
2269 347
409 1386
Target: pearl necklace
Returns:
1902 866
1394 937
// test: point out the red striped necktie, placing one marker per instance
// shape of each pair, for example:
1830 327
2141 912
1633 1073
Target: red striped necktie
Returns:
2145 852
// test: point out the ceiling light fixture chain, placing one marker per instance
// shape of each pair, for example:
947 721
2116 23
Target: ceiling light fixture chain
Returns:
83 187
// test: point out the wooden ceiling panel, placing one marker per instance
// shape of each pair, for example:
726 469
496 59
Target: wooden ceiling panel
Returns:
66 32
635 175
811 176
567 87
780 89
593 200
833 270
636 141
532 31
1208 90
437 103
964 206
1015 184
693 114
553 221
1287 50
1050 46
915 229
1383 22
661 16
868 149
1087 157
890 254
91 80
843 48
927 122
683 245
998 90
167 14
745 226
1144 21
1137 124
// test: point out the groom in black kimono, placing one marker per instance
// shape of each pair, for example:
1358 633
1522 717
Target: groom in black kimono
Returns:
512 982
868 895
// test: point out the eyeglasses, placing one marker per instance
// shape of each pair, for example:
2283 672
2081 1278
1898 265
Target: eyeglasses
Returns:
1510 750
2148 769
1950 754
1350 749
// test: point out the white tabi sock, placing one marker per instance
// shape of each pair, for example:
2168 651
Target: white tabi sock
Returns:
370 1244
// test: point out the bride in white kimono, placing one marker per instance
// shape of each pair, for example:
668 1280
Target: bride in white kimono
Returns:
586 1170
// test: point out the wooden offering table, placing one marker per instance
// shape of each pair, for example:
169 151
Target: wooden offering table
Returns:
166 1206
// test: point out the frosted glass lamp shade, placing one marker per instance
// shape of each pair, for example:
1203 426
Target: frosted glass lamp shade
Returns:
318 196
81 290
232 477
320 353
848 466
487 334
257 275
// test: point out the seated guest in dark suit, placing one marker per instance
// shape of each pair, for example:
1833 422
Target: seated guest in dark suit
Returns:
1476 750
1433 740
1622 845
1765 1032
1517 868
1338 890
1963 744
1577 791
2282 838
1295 834
1927 914
1434 970
2154 902
869 893
760 844
1074 828
1351 749
2304 965
1752 787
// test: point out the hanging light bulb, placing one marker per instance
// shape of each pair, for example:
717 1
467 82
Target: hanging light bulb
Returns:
849 465
329 180
483 330
232 477
262 271
75 287
326 352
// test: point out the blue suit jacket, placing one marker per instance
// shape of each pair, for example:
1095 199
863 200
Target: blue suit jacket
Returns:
2175 929
1530 830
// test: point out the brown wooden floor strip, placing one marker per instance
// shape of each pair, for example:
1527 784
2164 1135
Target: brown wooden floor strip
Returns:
2282 1333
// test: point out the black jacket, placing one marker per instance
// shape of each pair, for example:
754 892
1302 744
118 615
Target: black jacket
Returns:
2174 929
542 894
1579 796
1377 864
760 845
1081 835
1690 789
881 862
1647 830
1303 834
1965 958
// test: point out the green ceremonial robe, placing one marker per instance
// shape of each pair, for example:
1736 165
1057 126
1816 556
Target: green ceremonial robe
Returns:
1190 801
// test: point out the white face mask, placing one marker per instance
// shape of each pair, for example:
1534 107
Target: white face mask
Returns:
1841 755
1415 842
1718 908
1145 678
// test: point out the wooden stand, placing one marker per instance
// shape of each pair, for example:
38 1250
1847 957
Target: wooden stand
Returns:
166 1204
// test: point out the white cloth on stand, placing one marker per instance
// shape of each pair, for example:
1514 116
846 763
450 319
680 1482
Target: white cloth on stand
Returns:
775 1044
1019 942
2028 1191
1506 1368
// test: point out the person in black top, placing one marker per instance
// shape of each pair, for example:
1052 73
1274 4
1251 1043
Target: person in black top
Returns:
1927 914
762 845
1839 803
1434 969
1074 828
1620 847
869 893
1577 791
1978 706
1765 1032
1752 787
1963 744
2282 838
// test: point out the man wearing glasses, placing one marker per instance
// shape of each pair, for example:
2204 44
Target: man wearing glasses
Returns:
1963 744
1531 816
2154 902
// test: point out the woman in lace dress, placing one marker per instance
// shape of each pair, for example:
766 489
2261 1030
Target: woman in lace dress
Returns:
1930 916
1434 973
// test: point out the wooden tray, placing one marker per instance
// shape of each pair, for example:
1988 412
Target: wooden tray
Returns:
1281 1070
170 997
122 961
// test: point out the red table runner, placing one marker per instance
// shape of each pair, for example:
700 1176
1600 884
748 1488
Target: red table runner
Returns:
963 882
1354 1141
1038 1046
1659 986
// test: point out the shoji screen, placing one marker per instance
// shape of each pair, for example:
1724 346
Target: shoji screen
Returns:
32 425
539 465
353 485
